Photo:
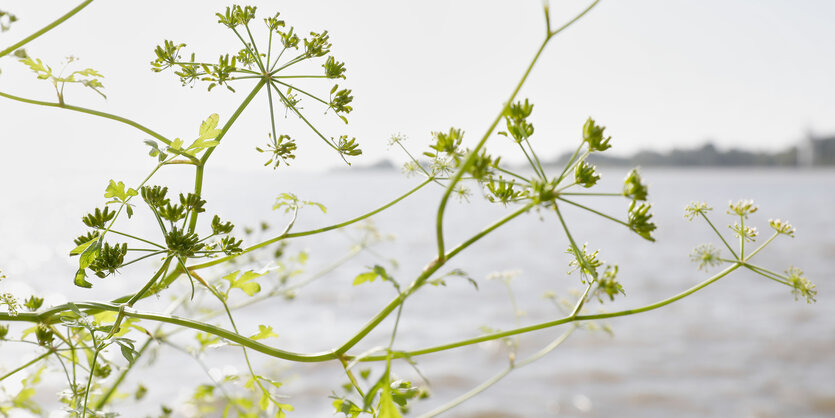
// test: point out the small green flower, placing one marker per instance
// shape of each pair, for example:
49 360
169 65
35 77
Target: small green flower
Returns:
587 263
593 135
585 175
742 208
182 243
33 303
782 227
706 255
219 227
801 286
109 259
44 335
639 220
633 187
608 285
98 218
696 208
749 233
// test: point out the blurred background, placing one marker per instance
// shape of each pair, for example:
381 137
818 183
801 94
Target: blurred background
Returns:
717 101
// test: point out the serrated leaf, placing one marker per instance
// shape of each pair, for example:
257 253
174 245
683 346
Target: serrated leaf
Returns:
117 190
244 282
208 129
264 332
176 144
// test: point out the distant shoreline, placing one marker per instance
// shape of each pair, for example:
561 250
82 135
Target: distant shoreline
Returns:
811 152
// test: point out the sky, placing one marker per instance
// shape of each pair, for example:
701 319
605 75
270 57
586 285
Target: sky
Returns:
658 74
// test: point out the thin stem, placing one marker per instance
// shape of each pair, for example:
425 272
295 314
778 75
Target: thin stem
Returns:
136 238
596 212
721 237
533 165
46 28
33 361
570 162
536 158
767 273
590 194
126 121
301 76
439 221
312 232
155 252
90 377
577 252
246 45
758 249
302 91
561 321
233 118
420 280
301 116
499 376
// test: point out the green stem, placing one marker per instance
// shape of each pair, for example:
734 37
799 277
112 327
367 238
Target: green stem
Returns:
90 378
33 361
107 395
768 241
136 238
420 280
233 118
596 212
45 29
303 92
439 221
312 232
577 252
49 315
493 380
139 295
721 237
302 76
570 162
129 122
561 321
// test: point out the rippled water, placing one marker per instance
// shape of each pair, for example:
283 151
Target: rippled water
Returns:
741 347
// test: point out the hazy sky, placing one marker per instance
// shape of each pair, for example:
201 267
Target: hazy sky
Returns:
659 74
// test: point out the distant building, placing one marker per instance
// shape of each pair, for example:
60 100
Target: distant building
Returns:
816 151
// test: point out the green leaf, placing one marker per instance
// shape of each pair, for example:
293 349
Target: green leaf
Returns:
388 409
80 249
176 144
89 254
264 402
80 281
208 127
244 282
365 277
264 332
117 190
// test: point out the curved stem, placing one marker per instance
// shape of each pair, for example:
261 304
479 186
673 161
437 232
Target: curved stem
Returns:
46 28
313 231
105 115
561 321
493 380
420 280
